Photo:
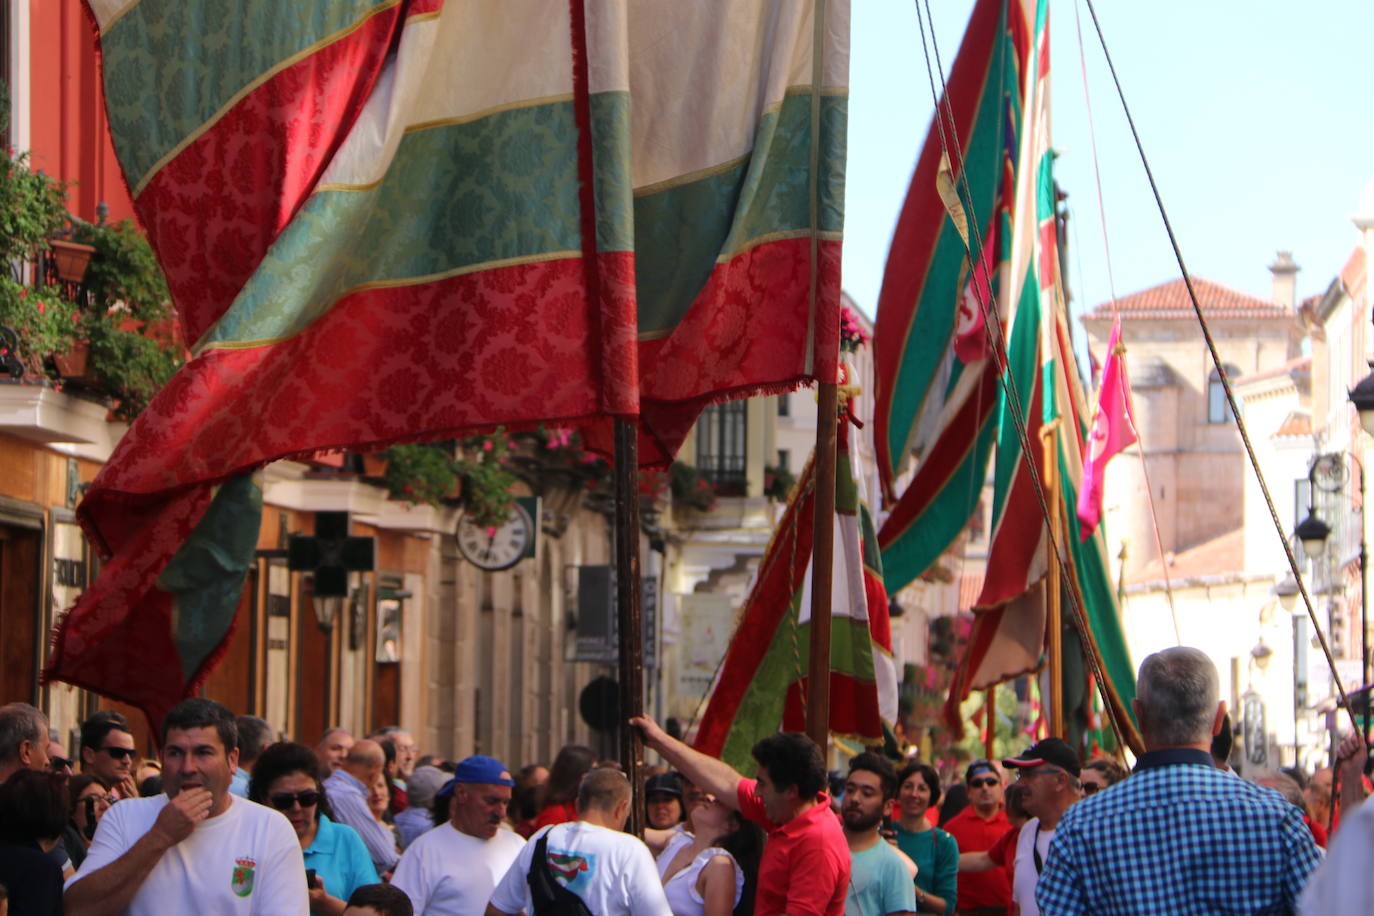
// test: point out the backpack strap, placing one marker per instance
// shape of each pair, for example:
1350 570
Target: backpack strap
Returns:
547 896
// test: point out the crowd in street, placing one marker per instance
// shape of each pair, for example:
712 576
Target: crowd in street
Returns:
229 820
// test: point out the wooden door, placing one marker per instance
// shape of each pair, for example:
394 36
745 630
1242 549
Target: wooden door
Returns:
314 674
21 557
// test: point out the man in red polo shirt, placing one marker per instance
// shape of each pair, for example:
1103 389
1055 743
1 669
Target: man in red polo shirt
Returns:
976 829
805 866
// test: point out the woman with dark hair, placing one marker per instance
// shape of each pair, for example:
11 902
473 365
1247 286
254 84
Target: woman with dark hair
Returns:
935 852
286 778
90 800
560 794
33 810
710 868
524 801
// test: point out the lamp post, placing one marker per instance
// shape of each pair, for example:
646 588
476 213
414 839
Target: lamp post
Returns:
1313 532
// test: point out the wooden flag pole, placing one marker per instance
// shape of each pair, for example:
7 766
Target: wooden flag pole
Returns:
628 612
990 721
1053 593
822 567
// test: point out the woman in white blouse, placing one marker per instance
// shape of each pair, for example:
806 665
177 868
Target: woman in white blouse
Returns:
710 867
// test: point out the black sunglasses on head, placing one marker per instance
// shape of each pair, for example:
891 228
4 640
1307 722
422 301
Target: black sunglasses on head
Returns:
120 753
283 801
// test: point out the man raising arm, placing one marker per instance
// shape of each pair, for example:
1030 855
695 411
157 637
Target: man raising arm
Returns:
805 866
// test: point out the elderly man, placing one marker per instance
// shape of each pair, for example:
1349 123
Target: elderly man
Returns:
23 739
590 858
347 790
452 869
805 865
1047 774
332 749
977 828
1179 836
196 849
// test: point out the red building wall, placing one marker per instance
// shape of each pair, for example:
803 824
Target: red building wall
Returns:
69 136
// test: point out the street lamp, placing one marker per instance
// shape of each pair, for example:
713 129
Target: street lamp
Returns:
1287 592
1313 532
1362 396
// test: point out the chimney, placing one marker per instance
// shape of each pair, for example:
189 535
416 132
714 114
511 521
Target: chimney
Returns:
1285 273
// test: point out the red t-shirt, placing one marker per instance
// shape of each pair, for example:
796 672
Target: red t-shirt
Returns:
555 814
805 866
974 834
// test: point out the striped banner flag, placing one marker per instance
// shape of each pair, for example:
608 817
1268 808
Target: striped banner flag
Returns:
398 220
761 685
936 377
1042 380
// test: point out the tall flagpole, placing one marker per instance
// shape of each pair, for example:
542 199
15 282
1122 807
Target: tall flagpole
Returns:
822 567
1053 594
628 611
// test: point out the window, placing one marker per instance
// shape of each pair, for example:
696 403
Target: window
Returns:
721 446
1217 409
785 459
785 404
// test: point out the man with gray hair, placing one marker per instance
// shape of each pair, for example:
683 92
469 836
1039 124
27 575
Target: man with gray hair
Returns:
1179 836
23 739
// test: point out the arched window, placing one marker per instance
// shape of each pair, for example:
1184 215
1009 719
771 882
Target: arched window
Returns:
1217 411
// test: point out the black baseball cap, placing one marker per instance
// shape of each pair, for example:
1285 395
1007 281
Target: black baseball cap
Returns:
663 784
1054 751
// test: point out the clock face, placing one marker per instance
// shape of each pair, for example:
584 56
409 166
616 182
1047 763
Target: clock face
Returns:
500 547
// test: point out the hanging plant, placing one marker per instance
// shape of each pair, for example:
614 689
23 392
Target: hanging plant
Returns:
852 335
487 481
419 473
778 482
691 488
44 322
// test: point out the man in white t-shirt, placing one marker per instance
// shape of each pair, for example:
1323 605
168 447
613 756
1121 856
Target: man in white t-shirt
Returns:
196 849
1049 770
611 871
452 869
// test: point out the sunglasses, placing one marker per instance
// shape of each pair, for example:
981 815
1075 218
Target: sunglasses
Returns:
283 801
59 763
1090 787
120 753
981 783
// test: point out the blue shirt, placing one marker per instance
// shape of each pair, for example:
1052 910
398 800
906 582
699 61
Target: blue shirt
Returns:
879 883
412 822
340 859
238 783
1179 837
348 797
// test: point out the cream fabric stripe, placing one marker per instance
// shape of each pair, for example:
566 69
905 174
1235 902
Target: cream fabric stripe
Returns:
474 59
710 70
106 12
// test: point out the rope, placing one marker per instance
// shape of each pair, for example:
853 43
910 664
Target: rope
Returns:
997 347
1225 379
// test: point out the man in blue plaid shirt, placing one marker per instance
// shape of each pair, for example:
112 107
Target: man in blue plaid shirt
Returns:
1180 836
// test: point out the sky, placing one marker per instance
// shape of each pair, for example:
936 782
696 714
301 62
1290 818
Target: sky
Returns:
1257 118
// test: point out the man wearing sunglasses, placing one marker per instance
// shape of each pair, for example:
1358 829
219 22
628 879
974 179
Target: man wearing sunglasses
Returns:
107 752
976 829
196 848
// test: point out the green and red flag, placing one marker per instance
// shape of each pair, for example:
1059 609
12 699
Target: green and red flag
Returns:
391 220
1042 415
936 385
761 686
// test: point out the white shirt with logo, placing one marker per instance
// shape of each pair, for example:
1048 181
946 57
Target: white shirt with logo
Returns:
244 861
612 872
446 872
1030 840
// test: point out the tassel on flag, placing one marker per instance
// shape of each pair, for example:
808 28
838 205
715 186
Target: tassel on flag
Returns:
1113 429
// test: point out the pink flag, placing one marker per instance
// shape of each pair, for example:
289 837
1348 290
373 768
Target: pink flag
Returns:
1113 429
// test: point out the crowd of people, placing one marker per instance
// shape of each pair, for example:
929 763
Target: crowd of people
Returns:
231 820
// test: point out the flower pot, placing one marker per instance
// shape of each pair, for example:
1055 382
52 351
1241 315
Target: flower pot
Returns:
374 464
71 259
72 364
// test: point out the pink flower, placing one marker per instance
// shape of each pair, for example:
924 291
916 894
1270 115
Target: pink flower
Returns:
491 531
23 293
486 446
42 308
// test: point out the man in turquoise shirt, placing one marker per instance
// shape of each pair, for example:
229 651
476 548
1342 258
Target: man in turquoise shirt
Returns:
880 879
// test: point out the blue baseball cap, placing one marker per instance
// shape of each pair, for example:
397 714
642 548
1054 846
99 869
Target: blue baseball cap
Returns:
477 768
